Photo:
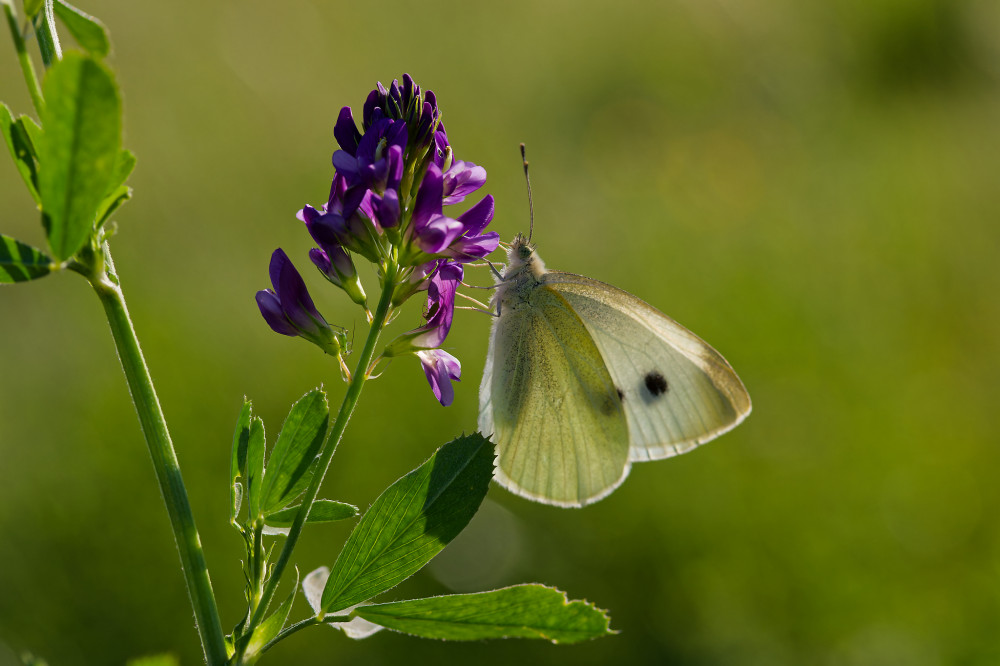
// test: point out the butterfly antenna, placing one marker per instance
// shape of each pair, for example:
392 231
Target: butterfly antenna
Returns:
531 207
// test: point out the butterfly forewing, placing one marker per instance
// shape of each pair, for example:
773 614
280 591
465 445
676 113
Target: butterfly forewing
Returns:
677 392
552 405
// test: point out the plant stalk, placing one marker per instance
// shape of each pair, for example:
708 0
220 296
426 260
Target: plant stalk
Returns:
168 473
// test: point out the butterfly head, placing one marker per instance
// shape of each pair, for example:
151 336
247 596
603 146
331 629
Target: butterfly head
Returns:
521 258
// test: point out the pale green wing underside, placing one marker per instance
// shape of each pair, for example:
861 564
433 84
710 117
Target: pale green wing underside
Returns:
700 397
551 406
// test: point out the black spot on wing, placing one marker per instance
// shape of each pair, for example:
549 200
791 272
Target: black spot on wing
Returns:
621 396
655 383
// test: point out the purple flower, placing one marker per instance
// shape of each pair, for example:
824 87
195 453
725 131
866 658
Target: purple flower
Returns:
441 289
441 369
461 179
406 102
346 221
430 228
288 309
377 163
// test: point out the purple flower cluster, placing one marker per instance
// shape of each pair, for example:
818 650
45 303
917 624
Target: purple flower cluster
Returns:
393 179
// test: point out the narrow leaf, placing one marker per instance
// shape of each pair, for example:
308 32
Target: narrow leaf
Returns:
113 202
20 262
33 130
255 468
290 464
78 150
273 625
520 611
21 149
411 522
88 32
238 461
322 511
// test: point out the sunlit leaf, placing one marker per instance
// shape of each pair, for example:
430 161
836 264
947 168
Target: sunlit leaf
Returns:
520 611
20 262
322 511
238 461
79 148
289 467
255 467
88 31
411 522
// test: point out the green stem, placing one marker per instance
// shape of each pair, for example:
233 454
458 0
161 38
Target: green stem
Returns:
333 437
302 624
27 67
168 473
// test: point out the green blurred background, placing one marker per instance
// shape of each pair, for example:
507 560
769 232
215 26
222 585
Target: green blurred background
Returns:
811 187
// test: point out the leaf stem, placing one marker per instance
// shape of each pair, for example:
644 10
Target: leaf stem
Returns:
302 624
333 437
168 473
27 67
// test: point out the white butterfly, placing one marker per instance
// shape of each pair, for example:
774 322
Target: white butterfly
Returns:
582 379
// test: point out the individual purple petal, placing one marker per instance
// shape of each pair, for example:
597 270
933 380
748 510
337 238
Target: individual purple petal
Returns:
440 148
437 233
270 308
387 210
462 179
428 201
345 131
441 369
467 249
449 270
345 163
478 217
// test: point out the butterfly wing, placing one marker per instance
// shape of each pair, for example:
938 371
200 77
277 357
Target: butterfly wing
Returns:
551 406
677 392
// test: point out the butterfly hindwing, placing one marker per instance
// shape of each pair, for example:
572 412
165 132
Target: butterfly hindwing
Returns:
552 405
677 392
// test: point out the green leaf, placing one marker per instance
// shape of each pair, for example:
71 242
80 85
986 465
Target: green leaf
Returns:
89 33
322 511
79 148
124 165
255 467
32 7
20 262
238 461
290 464
33 130
411 522
273 625
19 142
118 193
520 611
112 203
